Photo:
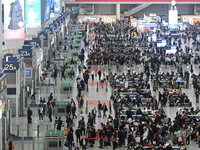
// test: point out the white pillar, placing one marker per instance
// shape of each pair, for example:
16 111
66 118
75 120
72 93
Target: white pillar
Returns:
17 96
118 11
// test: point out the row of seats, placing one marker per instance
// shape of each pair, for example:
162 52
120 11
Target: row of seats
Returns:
135 116
134 112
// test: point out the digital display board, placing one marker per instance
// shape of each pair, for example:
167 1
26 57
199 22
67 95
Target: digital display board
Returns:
28 73
14 19
33 13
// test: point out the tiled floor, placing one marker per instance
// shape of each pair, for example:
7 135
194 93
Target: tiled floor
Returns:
92 96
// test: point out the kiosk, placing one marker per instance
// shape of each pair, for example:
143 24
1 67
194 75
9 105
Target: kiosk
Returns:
66 87
60 108
54 140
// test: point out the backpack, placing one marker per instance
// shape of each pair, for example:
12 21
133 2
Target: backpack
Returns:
13 146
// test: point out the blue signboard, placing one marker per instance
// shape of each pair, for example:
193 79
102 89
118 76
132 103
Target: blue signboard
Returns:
26 53
52 27
55 25
33 13
47 10
35 42
48 30
43 35
10 66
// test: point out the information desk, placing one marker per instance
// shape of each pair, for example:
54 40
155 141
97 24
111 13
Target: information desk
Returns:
54 140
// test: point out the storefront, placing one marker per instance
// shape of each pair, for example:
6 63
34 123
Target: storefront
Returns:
192 19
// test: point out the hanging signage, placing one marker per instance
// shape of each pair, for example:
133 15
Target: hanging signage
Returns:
55 25
33 13
43 35
48 30
10 66
14 19
35 42
26 53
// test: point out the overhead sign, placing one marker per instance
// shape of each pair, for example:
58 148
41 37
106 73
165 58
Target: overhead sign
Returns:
48 30
33 13
26 53
35 42
43 35
10 66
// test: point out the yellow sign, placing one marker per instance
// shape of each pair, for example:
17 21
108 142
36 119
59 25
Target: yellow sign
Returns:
34 44
10 67
25 53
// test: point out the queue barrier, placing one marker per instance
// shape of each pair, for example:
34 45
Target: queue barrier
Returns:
47 84
22 142
59 59
36 105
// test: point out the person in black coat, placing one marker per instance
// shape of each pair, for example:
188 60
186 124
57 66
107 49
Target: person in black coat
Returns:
129 113
29 115
90 121
78 135
83 143
50 111
59 124
74 112
70 140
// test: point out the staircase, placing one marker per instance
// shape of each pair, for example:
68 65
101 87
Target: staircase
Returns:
135 10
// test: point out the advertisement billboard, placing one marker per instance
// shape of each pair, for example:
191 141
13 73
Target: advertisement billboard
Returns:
33 13
14 19
47 10
55 6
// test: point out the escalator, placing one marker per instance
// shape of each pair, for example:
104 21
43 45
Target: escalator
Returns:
135 10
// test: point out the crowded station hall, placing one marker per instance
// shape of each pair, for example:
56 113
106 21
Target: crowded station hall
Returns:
100 74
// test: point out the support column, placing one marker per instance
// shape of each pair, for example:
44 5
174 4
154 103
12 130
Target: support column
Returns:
17 95
118 11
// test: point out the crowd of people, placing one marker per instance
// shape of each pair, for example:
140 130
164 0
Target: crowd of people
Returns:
136 123
113 46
